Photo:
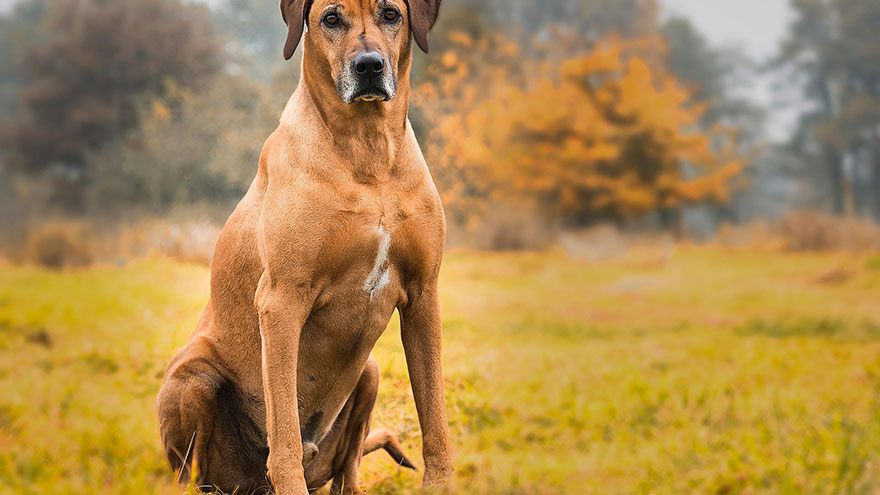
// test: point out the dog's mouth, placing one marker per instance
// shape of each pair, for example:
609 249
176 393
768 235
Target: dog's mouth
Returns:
352 90
371 94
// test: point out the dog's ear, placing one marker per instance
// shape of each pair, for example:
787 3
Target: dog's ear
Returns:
422 15
295 14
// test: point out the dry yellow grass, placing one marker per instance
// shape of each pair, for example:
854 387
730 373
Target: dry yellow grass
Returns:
698 370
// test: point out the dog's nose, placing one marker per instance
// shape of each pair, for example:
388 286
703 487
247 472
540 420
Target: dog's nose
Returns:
368 64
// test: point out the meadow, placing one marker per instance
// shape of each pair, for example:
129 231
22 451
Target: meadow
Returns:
703 370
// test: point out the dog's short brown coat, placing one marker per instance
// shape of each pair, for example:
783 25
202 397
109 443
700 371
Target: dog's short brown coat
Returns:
341 226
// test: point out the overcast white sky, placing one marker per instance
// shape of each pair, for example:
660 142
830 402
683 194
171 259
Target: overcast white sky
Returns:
755 25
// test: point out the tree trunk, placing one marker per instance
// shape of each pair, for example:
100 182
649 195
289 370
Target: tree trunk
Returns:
834 159
836 182
673 220
875 188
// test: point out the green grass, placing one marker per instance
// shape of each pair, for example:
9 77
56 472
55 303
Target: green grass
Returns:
703 371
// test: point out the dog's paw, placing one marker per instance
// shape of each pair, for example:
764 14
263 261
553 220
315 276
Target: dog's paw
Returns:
441 480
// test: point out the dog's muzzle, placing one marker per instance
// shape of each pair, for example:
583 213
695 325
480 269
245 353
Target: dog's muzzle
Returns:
367 78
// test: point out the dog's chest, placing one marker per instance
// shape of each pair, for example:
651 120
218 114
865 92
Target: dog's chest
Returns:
380 272
370 245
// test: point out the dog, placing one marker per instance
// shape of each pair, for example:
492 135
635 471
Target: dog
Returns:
341 226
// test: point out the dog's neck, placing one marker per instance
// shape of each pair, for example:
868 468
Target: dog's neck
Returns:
370 133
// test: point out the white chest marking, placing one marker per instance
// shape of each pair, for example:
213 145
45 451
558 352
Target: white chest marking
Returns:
379 276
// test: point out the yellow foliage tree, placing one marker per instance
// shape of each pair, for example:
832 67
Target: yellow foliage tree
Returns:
607 135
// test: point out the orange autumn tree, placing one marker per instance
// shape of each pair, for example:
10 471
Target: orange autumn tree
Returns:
607 135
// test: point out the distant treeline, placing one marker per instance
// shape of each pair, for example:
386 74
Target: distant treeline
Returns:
573 111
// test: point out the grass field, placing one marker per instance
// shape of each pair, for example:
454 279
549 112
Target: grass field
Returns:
704 370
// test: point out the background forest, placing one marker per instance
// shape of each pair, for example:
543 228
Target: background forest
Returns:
534 119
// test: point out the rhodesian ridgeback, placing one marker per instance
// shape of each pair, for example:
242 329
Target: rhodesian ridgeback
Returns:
341 226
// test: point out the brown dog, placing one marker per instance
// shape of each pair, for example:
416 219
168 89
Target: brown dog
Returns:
341 226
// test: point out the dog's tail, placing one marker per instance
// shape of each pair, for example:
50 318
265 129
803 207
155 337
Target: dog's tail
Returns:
387 440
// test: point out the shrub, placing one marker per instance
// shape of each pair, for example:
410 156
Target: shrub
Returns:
67 243
60 244
814 231
188 241
508 228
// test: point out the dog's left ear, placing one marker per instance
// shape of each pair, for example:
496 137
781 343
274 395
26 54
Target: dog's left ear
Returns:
295 13
422 16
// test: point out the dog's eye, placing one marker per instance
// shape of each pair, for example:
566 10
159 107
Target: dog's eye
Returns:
390 15
331 19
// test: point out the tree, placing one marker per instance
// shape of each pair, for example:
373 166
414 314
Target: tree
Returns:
851 60
192 147
605 136
591 19
85 69
257 35
15 30
711 74
834 46
576 24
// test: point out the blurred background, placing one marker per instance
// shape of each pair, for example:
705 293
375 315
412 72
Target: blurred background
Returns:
537 120
663 271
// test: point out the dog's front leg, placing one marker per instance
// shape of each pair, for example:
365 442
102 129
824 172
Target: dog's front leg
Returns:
420 332
282 315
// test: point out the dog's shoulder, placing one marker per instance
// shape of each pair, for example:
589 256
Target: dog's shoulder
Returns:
296 184
283 152
297 141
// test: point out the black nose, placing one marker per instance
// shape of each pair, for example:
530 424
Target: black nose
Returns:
367 64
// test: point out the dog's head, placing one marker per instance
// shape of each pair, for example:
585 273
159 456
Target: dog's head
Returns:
362 42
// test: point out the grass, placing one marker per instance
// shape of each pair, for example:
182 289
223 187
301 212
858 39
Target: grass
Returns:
707 370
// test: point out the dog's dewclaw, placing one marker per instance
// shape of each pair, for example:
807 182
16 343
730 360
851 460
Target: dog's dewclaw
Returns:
392 446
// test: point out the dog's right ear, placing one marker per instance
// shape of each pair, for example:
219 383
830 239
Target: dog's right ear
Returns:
422 16
295 13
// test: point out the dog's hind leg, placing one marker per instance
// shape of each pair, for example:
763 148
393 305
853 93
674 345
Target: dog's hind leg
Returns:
341 450
207 435
357 426
349 439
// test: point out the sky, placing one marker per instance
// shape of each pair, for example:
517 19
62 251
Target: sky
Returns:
755 26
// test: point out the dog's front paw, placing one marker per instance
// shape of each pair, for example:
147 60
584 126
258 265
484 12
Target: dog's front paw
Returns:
440 478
